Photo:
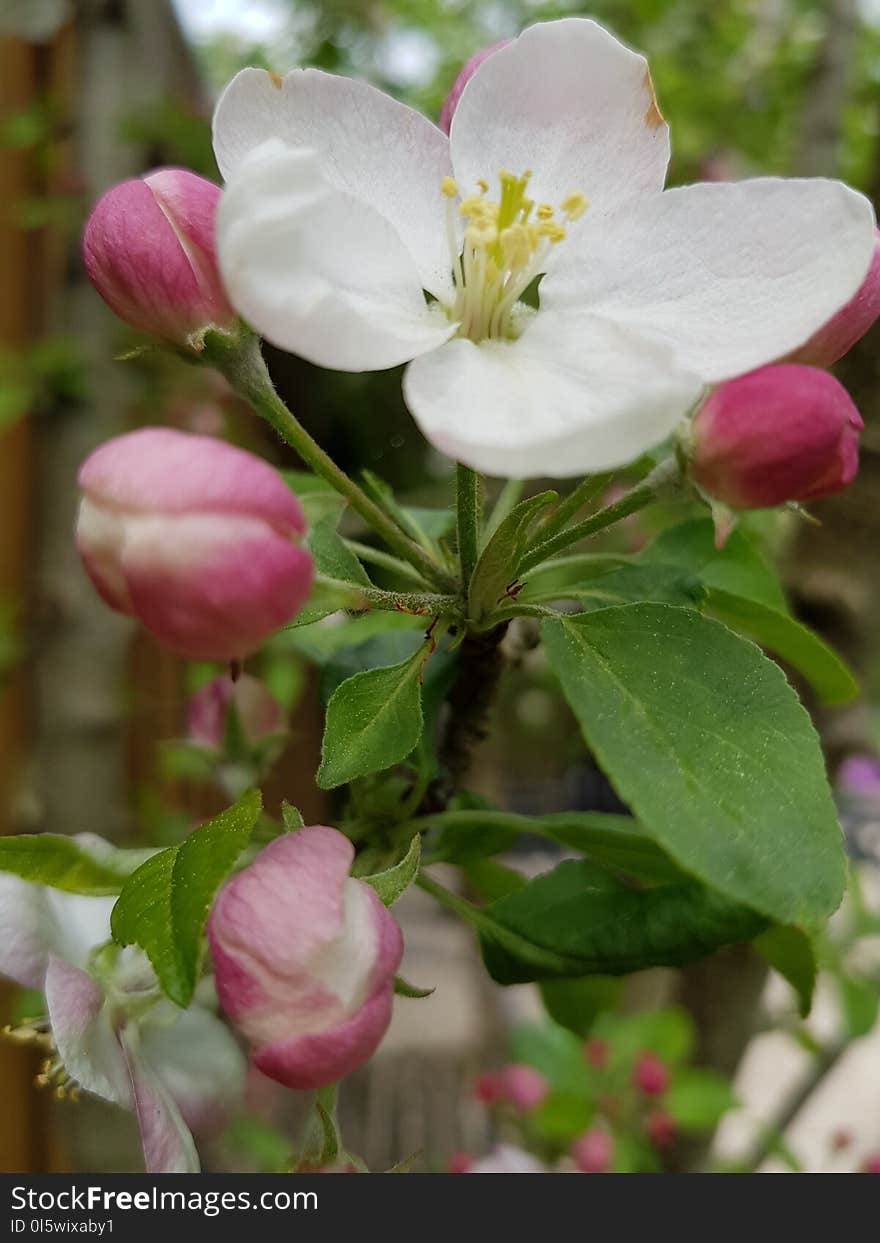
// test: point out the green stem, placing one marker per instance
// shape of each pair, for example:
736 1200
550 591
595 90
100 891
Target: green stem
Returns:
586 491
469 513
244 368
459 906
377 556
427 603
650 489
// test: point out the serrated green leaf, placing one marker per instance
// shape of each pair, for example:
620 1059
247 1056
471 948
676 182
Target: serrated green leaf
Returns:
394 881
792 953
497 564
739 567
90 867
164 905
799 647
322 643
591 926
576 1004
628 584
860 1002
705 740
374 720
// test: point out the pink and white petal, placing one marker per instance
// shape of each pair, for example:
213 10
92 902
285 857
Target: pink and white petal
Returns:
200 1064
313 1061
508 1159
160 469
27 931
369 146
83 1032
571 103
385 936
318 272
573 394
213 586
730 276
167 1143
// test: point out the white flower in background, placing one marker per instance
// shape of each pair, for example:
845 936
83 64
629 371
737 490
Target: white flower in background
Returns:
108 1029
343 209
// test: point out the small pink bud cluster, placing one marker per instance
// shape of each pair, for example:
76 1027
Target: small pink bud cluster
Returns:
197 539
593 1151
516 1084
651 1075
304 959
148 248
259 716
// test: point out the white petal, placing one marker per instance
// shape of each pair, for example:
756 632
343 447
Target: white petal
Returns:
36 921
571 103
315 271
732 276
369 145
167 1142
200 1064
83 1032
571 395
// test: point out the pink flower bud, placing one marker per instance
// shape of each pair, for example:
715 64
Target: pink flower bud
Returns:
148 248
488 1087
593 1151
850 323
596 1053
871 1164
260 715
660 1128
782 433
304 959
651 1075
467 71
195 538
523 1086
460 1163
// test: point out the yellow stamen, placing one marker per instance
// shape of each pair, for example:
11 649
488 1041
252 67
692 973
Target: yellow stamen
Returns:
449 187
544 212
575 204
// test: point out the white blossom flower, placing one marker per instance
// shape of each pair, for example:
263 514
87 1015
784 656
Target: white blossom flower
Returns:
108 1029
354 233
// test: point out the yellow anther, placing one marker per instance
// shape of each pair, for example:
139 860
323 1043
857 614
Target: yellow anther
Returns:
575 204
481 233
552 231
472 205
448 187
544 212
516 248
482 185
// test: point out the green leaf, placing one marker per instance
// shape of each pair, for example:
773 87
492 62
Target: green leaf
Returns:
628 584
705 740
322 643
561 1117
164 905
669 1033
860 1001
792 953
556 1052
291 817
394 881
332 556
404 989
386 648
324 598
739 567
432 523
374 720
698 1099
589 925
554 579
799 647
86 866
576 1004
497 565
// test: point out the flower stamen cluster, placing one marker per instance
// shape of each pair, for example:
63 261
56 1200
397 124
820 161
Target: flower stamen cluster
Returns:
506 243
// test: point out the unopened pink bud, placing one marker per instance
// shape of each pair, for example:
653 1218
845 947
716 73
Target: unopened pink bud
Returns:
871 1164
782 433
465 74
260 715
523 1086
304 959
197 539
488 1087
148 248
850 323
660 1128
596 1053
593 1152
651 1075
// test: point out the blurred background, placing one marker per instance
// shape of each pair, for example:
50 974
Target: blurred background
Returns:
93 91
